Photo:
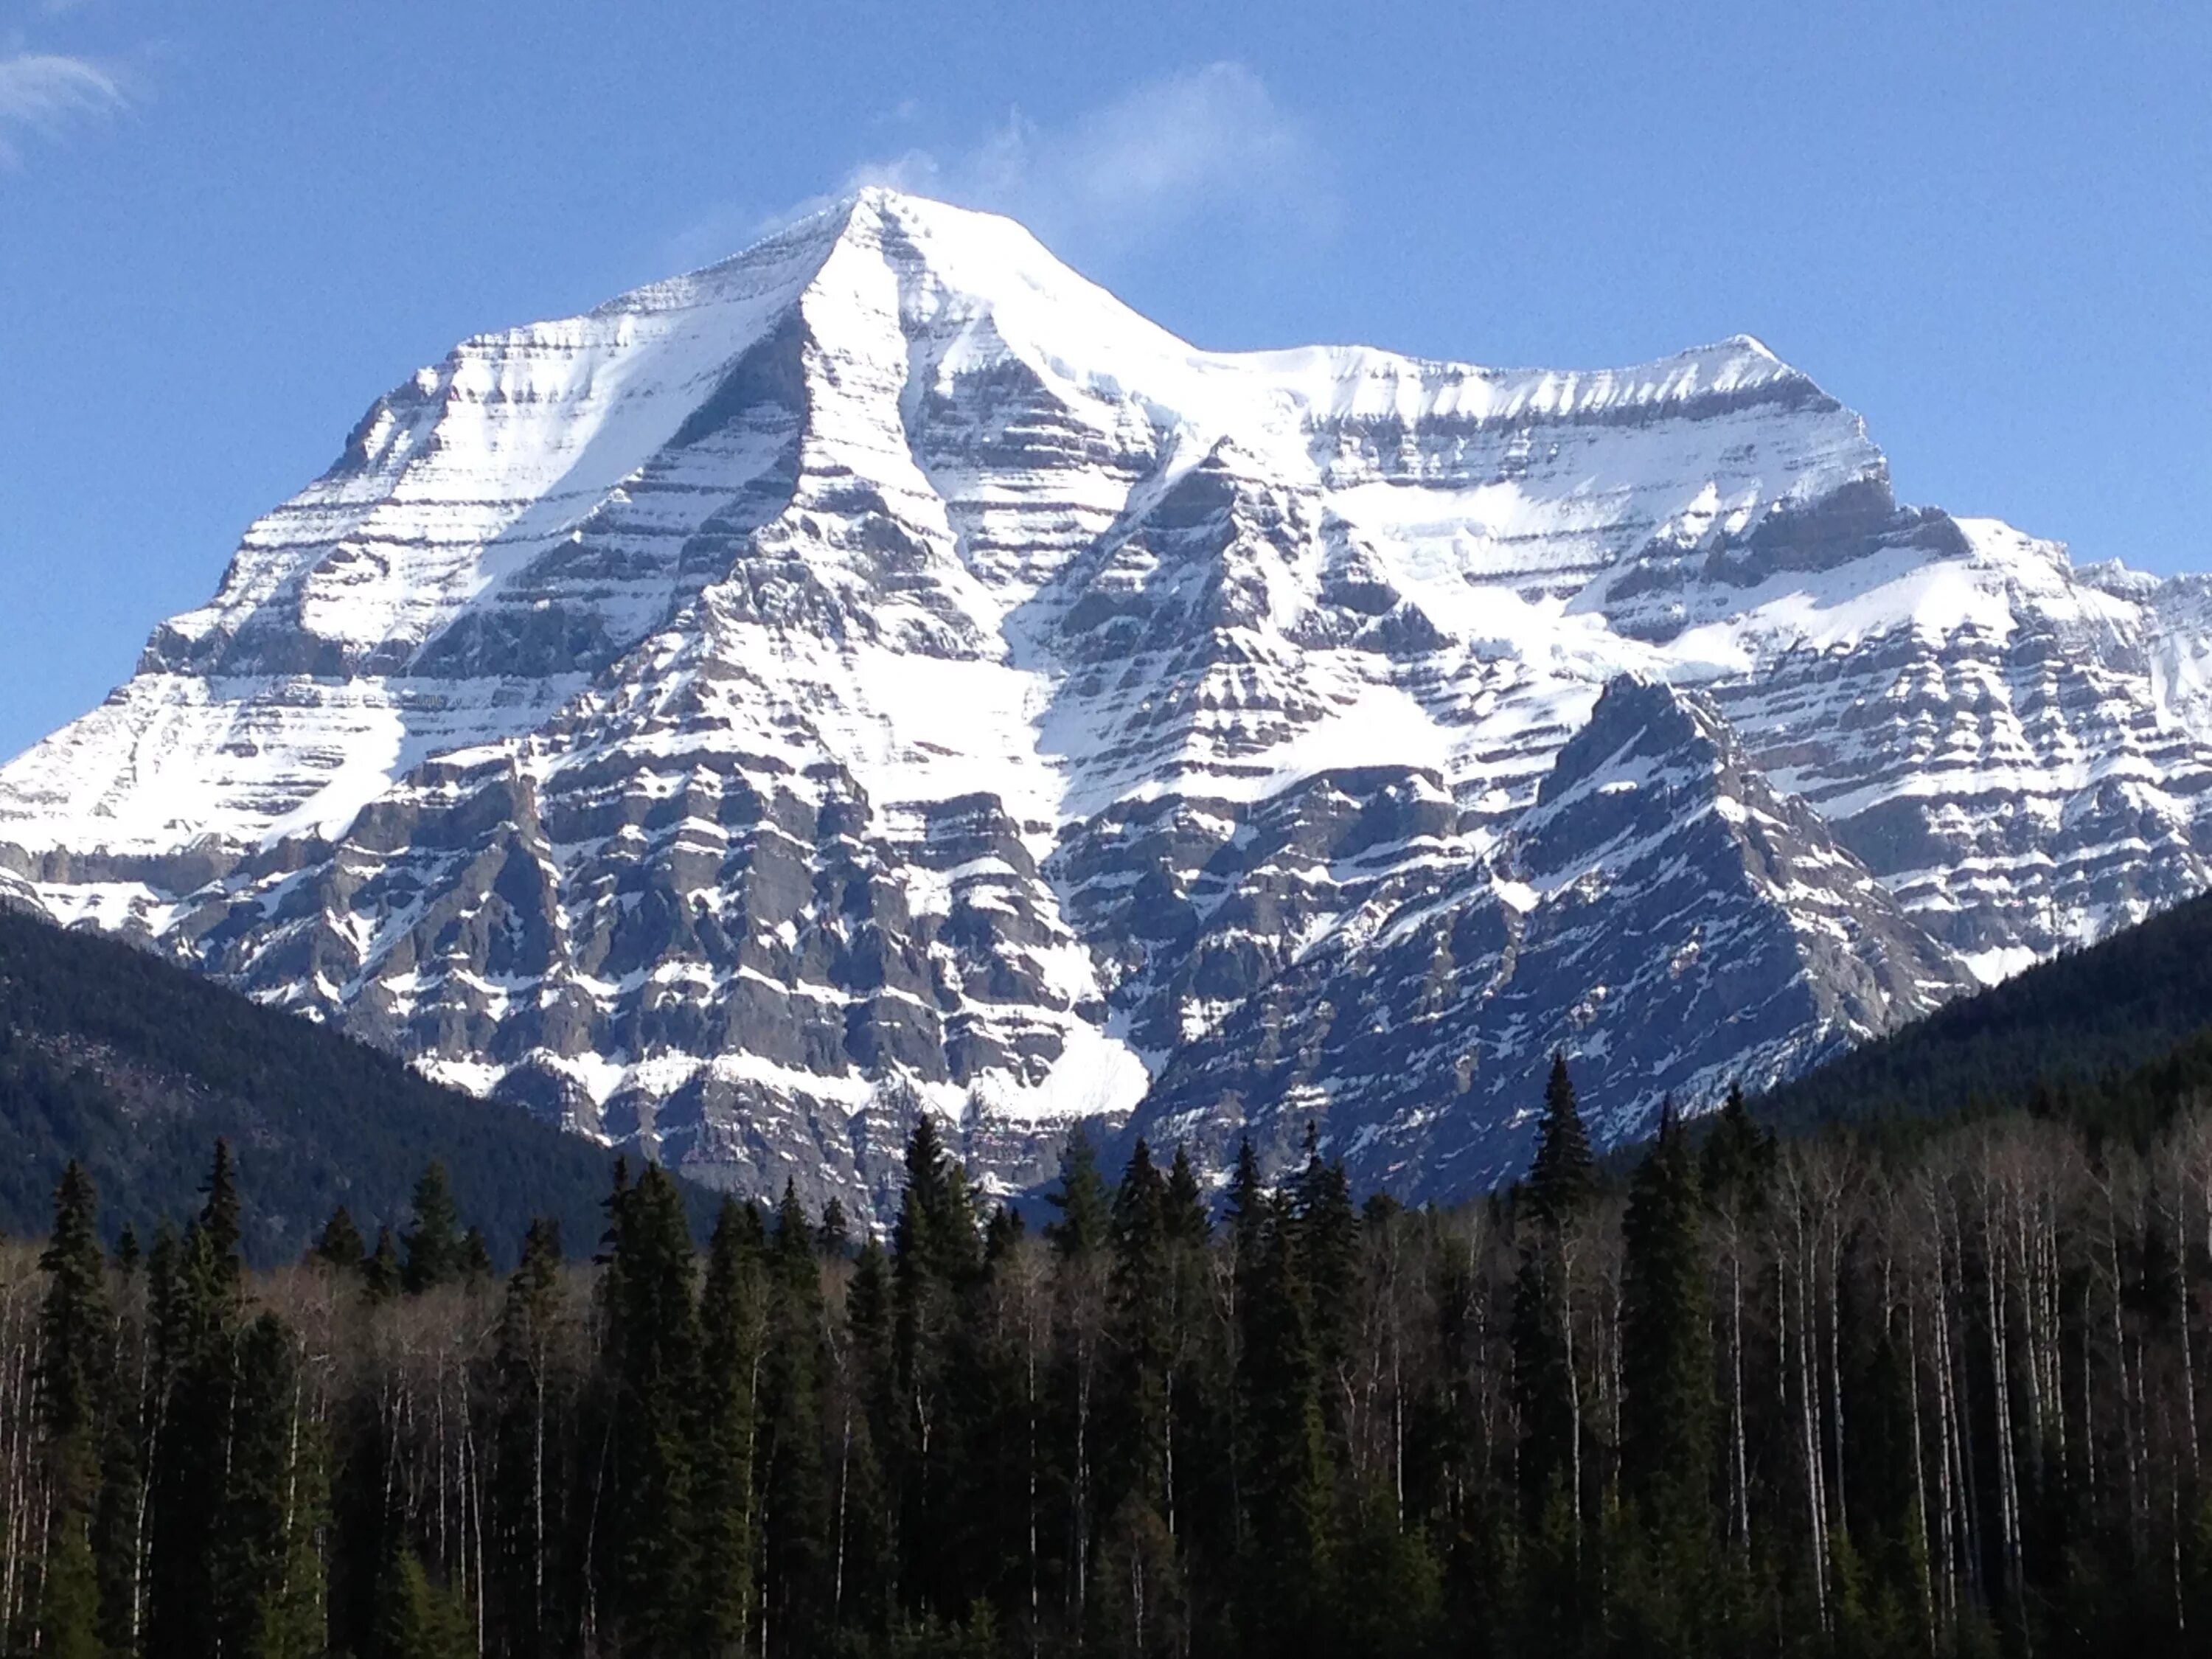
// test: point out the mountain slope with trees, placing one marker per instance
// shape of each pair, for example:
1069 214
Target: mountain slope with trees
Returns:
2076 1024
132 1066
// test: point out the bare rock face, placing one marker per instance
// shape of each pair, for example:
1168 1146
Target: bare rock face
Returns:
1660 912
882 674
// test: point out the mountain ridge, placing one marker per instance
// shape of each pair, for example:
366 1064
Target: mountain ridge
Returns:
881 672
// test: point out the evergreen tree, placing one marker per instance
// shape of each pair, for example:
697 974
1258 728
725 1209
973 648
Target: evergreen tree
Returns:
220 1214
1287 1482
1183 1206
1142 1315
833 1238
435 1253
475 1257
796 1588
381 1275
1002 1234
266 1561
417 1618
338 1247
1083 1200
118 1540
1561 1179
1554 1461
1329 1250
1249 1210
731 1316
76 1345
1738 1155
74 1329
1668 1407
867 1528
650 1567
197 1314
937 1262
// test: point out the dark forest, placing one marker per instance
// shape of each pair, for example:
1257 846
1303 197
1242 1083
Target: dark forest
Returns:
1848 1394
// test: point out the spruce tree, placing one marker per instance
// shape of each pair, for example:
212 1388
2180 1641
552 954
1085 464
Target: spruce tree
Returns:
118 1536
1562 1178
436 1252
1287 1482
1328 1251
1738 1155
1554 1459
1002 1234
1085 1204
732 1314
75 1351
1141 1286
219 1215
417 1618
267 1565
833 1239
1249 1208
199 1316
936 1262
1668 1407
797 1580
381 1275
1183 1206
651 1568
868 1524
475 1257
338 1247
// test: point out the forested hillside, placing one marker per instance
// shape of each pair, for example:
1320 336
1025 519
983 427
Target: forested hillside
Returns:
134 1067
2079 1021
1828 1396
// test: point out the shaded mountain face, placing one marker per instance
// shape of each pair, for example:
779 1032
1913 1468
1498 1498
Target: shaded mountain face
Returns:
881 673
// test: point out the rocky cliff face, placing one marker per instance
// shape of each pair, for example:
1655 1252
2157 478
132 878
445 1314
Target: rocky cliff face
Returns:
881 673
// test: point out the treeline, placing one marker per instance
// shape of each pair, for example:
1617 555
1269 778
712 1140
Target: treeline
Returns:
1821 1396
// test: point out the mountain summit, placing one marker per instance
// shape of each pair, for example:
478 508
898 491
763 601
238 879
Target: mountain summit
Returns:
881 672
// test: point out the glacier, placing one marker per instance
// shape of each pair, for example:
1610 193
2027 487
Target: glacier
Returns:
883 673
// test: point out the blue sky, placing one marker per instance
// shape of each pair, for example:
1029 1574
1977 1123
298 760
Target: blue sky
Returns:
227 225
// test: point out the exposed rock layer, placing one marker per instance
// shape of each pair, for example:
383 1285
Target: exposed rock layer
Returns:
883 673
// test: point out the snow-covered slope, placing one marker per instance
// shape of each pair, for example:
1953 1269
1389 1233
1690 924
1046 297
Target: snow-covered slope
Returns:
882 672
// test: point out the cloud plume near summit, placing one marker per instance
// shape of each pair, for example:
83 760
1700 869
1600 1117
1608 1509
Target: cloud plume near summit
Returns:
1211 143
1203 141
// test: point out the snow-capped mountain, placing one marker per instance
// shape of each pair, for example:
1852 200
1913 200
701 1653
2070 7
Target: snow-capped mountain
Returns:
883 672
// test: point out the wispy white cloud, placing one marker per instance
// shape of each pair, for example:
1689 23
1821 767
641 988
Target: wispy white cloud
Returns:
45 93
1199 144
1209 145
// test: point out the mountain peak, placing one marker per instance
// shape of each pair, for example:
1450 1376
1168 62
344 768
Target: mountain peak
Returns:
883 672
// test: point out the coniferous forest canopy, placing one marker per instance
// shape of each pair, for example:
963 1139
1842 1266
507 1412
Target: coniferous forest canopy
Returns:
1842 1395
133 1066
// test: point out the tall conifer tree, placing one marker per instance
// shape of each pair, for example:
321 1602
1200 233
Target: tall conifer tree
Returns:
74 1397
1561 1178
731 1316
436 1251
1668 1409
795 1545
651 1568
